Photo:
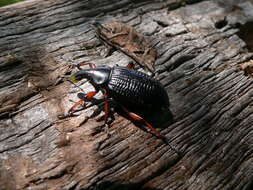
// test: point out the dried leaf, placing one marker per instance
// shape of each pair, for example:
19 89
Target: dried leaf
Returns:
126 39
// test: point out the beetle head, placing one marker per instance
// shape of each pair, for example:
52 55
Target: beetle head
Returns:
97 76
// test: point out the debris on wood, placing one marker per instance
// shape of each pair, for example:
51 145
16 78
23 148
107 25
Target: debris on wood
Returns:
126 39
247 68
9 60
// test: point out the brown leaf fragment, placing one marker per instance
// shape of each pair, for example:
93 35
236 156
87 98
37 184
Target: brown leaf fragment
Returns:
126 39
247 68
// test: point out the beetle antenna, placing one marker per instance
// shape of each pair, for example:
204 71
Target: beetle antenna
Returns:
75 85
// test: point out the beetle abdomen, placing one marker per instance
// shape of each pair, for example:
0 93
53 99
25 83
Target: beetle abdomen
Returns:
136 89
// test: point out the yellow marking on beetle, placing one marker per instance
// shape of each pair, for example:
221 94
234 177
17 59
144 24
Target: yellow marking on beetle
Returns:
73 79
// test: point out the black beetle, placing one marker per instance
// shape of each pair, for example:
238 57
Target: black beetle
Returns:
130 89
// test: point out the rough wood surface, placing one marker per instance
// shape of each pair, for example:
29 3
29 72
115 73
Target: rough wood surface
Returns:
199 58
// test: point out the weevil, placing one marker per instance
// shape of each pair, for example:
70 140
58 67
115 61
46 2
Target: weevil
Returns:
129 88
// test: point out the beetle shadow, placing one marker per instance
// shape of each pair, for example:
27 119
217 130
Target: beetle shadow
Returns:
158 118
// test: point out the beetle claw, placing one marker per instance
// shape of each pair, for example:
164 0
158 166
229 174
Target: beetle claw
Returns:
61 116
66 115
106 130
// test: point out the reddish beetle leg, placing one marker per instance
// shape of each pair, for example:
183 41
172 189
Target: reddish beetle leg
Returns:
81 101
91 65
136 117
130 65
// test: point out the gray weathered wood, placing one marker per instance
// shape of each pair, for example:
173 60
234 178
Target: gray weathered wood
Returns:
199 56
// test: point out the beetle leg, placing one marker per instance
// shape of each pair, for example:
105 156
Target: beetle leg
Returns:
75 105
106 108
91 94
158 134
81 101
139 118
91 65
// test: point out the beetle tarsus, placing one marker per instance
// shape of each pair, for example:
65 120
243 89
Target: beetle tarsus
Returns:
166 141
71 110
65 115
106 129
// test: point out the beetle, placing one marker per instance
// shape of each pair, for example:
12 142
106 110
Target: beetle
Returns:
129 88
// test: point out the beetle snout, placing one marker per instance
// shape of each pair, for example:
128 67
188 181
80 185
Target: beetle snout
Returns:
78 76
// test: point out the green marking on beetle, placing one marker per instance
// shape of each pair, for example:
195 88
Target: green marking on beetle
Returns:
73 79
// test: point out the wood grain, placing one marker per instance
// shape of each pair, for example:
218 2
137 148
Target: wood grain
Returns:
199 62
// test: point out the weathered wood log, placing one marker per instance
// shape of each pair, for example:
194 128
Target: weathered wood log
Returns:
200 54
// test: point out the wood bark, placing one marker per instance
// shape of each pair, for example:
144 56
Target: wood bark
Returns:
201 62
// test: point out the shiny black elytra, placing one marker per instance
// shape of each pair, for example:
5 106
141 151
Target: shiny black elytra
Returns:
130 89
